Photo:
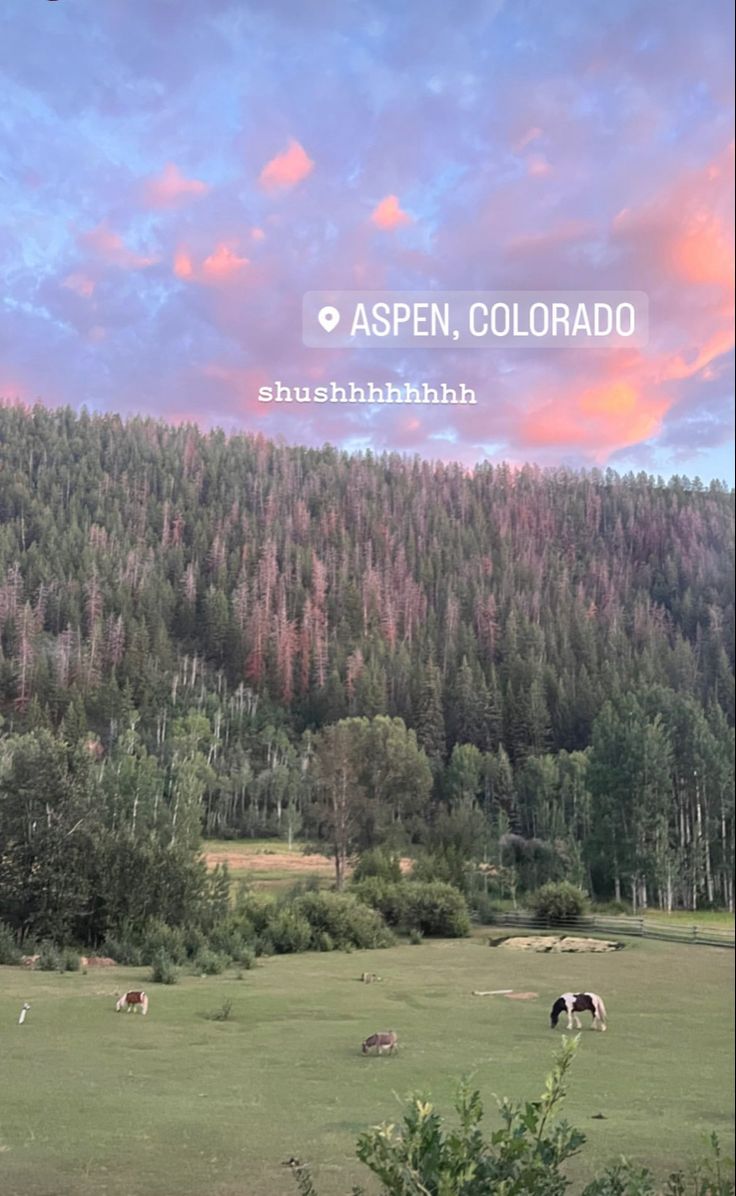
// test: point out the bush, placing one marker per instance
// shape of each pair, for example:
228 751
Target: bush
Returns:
348 922
235 938
163 969
387 897
290 932
123 950
246 958
526 1154
559 902
158 938
252 910
379 864
433 908
50 959
71 960
222 1014
9 951
485 909
436 909
265 945
210 963
416 938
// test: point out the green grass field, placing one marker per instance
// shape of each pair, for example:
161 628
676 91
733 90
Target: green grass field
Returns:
176 1105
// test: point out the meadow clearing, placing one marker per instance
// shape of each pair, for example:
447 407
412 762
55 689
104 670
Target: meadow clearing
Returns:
116 1104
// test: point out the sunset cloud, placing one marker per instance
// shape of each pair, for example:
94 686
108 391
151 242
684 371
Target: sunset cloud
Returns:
171 188
598 163
110 247
223 265
80 284
286 169
537 166
599 420
388 214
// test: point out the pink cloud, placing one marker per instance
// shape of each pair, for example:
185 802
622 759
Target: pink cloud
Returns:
80 284
537 166
612 414
223 265
111 248
170 188
388 214
183 267
286 169
526 139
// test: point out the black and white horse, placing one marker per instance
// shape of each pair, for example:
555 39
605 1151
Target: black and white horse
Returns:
574 1003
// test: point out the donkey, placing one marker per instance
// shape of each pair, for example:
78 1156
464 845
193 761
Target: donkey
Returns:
384 1041
133 1000
574 1003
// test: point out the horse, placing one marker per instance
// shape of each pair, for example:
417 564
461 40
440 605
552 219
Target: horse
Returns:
383 1041
133 1000
574 1003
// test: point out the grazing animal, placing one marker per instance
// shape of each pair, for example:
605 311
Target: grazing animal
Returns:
384 1041
131 1001
574 1003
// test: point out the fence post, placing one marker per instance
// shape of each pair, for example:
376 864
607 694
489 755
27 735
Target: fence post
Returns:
695 933
641 927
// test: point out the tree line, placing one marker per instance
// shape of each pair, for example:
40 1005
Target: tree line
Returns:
530 670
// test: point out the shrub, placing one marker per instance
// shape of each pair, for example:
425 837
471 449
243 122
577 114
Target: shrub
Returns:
526 1154
387 897
290 932
222 1014
163 969
348 922
433 908
123 950
559 901
234 937
611 907
253 910
195 941
170 940
485 909
378 864
50 959
323 941
246 957
210 963
71 960
416 938
436 909
448 865
9 951
265 944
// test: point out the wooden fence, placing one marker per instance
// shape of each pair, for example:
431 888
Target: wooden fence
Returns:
674 932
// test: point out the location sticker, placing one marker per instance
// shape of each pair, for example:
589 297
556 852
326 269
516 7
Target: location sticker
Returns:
329 318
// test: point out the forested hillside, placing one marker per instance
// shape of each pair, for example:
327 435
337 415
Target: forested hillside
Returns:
198 609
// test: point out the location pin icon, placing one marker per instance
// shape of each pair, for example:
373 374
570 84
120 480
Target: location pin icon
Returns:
329 318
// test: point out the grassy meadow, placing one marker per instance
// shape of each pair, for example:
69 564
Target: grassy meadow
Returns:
269 864
119 1105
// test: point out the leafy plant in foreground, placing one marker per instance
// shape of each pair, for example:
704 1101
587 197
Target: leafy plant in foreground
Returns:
524 1157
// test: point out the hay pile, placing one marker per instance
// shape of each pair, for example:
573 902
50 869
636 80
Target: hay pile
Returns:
559 943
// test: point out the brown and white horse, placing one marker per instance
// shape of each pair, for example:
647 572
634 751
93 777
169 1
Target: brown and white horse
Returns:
133 1000
574 1003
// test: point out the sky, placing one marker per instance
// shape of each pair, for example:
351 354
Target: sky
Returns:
176 174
